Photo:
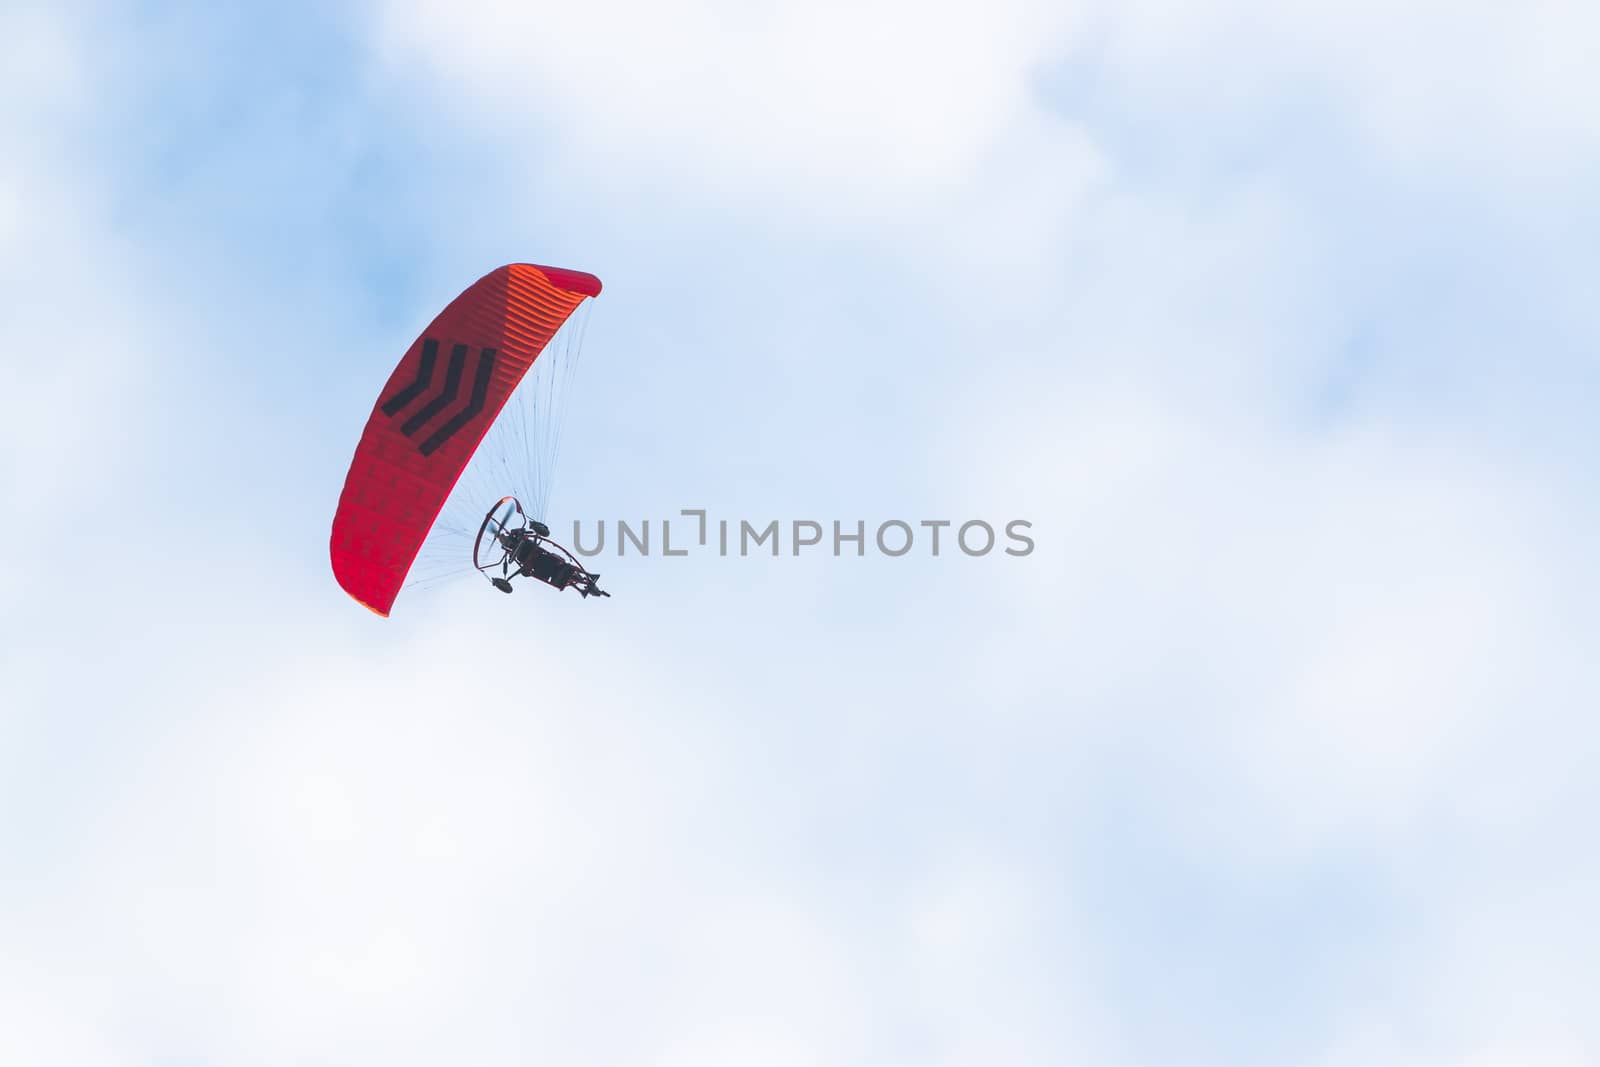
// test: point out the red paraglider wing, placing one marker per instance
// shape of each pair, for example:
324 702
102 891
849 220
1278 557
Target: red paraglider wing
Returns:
431 415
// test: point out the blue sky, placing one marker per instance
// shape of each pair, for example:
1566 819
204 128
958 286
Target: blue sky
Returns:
1279 326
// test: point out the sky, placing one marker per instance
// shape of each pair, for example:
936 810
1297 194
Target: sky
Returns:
1275 321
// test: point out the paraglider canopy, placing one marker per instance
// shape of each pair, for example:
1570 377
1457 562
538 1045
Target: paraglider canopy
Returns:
443 396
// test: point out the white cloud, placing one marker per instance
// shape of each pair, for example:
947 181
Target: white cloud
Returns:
1455 94
888 99
889 122
396 858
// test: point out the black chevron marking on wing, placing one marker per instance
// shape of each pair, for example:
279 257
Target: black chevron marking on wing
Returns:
480 393
452 384
396 403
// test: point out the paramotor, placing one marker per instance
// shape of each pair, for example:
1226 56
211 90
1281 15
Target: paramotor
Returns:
450 389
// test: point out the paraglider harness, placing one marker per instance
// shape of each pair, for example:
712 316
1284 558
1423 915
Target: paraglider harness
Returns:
518 546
